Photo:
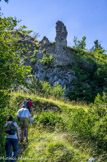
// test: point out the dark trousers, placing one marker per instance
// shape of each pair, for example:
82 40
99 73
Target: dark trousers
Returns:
14 143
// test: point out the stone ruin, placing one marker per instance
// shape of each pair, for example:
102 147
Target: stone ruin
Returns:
59 72
58 49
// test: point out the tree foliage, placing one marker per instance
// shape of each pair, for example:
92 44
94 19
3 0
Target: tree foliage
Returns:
11 69
91 72
97 45
79 44
12 72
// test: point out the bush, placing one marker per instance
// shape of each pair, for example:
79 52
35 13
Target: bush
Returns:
81 123
92 124
47 60
47 89
44 88
99 132
101 99
4 112
58 91
33 60
49 119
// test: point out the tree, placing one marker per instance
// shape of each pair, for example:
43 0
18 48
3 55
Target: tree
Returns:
97 45
83 43
11 70
79 44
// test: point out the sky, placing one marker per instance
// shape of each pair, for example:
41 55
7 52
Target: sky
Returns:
81 18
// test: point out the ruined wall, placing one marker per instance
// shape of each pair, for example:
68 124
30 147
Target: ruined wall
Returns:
58 49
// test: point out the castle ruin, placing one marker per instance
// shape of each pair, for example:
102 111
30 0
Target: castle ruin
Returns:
58 49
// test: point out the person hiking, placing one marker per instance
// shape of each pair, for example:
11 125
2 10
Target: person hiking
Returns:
28 104
31 107
12 138
24 116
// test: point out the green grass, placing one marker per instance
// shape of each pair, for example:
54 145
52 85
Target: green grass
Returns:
52 146
64 134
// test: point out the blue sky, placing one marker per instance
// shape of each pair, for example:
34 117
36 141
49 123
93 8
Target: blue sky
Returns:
81 17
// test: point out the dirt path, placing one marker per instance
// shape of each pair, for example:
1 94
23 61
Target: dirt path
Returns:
21 149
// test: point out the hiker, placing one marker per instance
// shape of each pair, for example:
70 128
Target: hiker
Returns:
28 104
12 137
24 116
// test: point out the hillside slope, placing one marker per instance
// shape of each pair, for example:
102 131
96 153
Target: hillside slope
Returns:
64 131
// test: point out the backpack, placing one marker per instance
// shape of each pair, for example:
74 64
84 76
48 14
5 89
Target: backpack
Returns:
26 104
10 128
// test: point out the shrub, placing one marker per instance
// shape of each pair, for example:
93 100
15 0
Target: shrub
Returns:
58 91
33 60
47 60
44 88
49 119
81 123
34 85
99 132
47 89
4 112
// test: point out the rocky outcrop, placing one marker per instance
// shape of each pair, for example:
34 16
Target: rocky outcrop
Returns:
59 72
62 75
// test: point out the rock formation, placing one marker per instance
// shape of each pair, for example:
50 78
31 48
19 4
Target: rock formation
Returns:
59 72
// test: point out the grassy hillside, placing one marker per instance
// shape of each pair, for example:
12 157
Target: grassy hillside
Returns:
64 131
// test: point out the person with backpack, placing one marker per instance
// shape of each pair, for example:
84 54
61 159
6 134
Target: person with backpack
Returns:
28 104
24 116
12 137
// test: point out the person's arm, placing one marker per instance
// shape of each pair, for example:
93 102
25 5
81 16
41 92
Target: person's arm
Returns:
17 131
29 115
18 118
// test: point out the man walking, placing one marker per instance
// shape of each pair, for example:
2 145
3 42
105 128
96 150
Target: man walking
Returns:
24 116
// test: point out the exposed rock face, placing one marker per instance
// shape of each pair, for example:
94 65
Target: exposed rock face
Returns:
61 75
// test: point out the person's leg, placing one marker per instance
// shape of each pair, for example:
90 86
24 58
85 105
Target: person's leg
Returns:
26 129
22 128
26 134
8 148
14 143
22 134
